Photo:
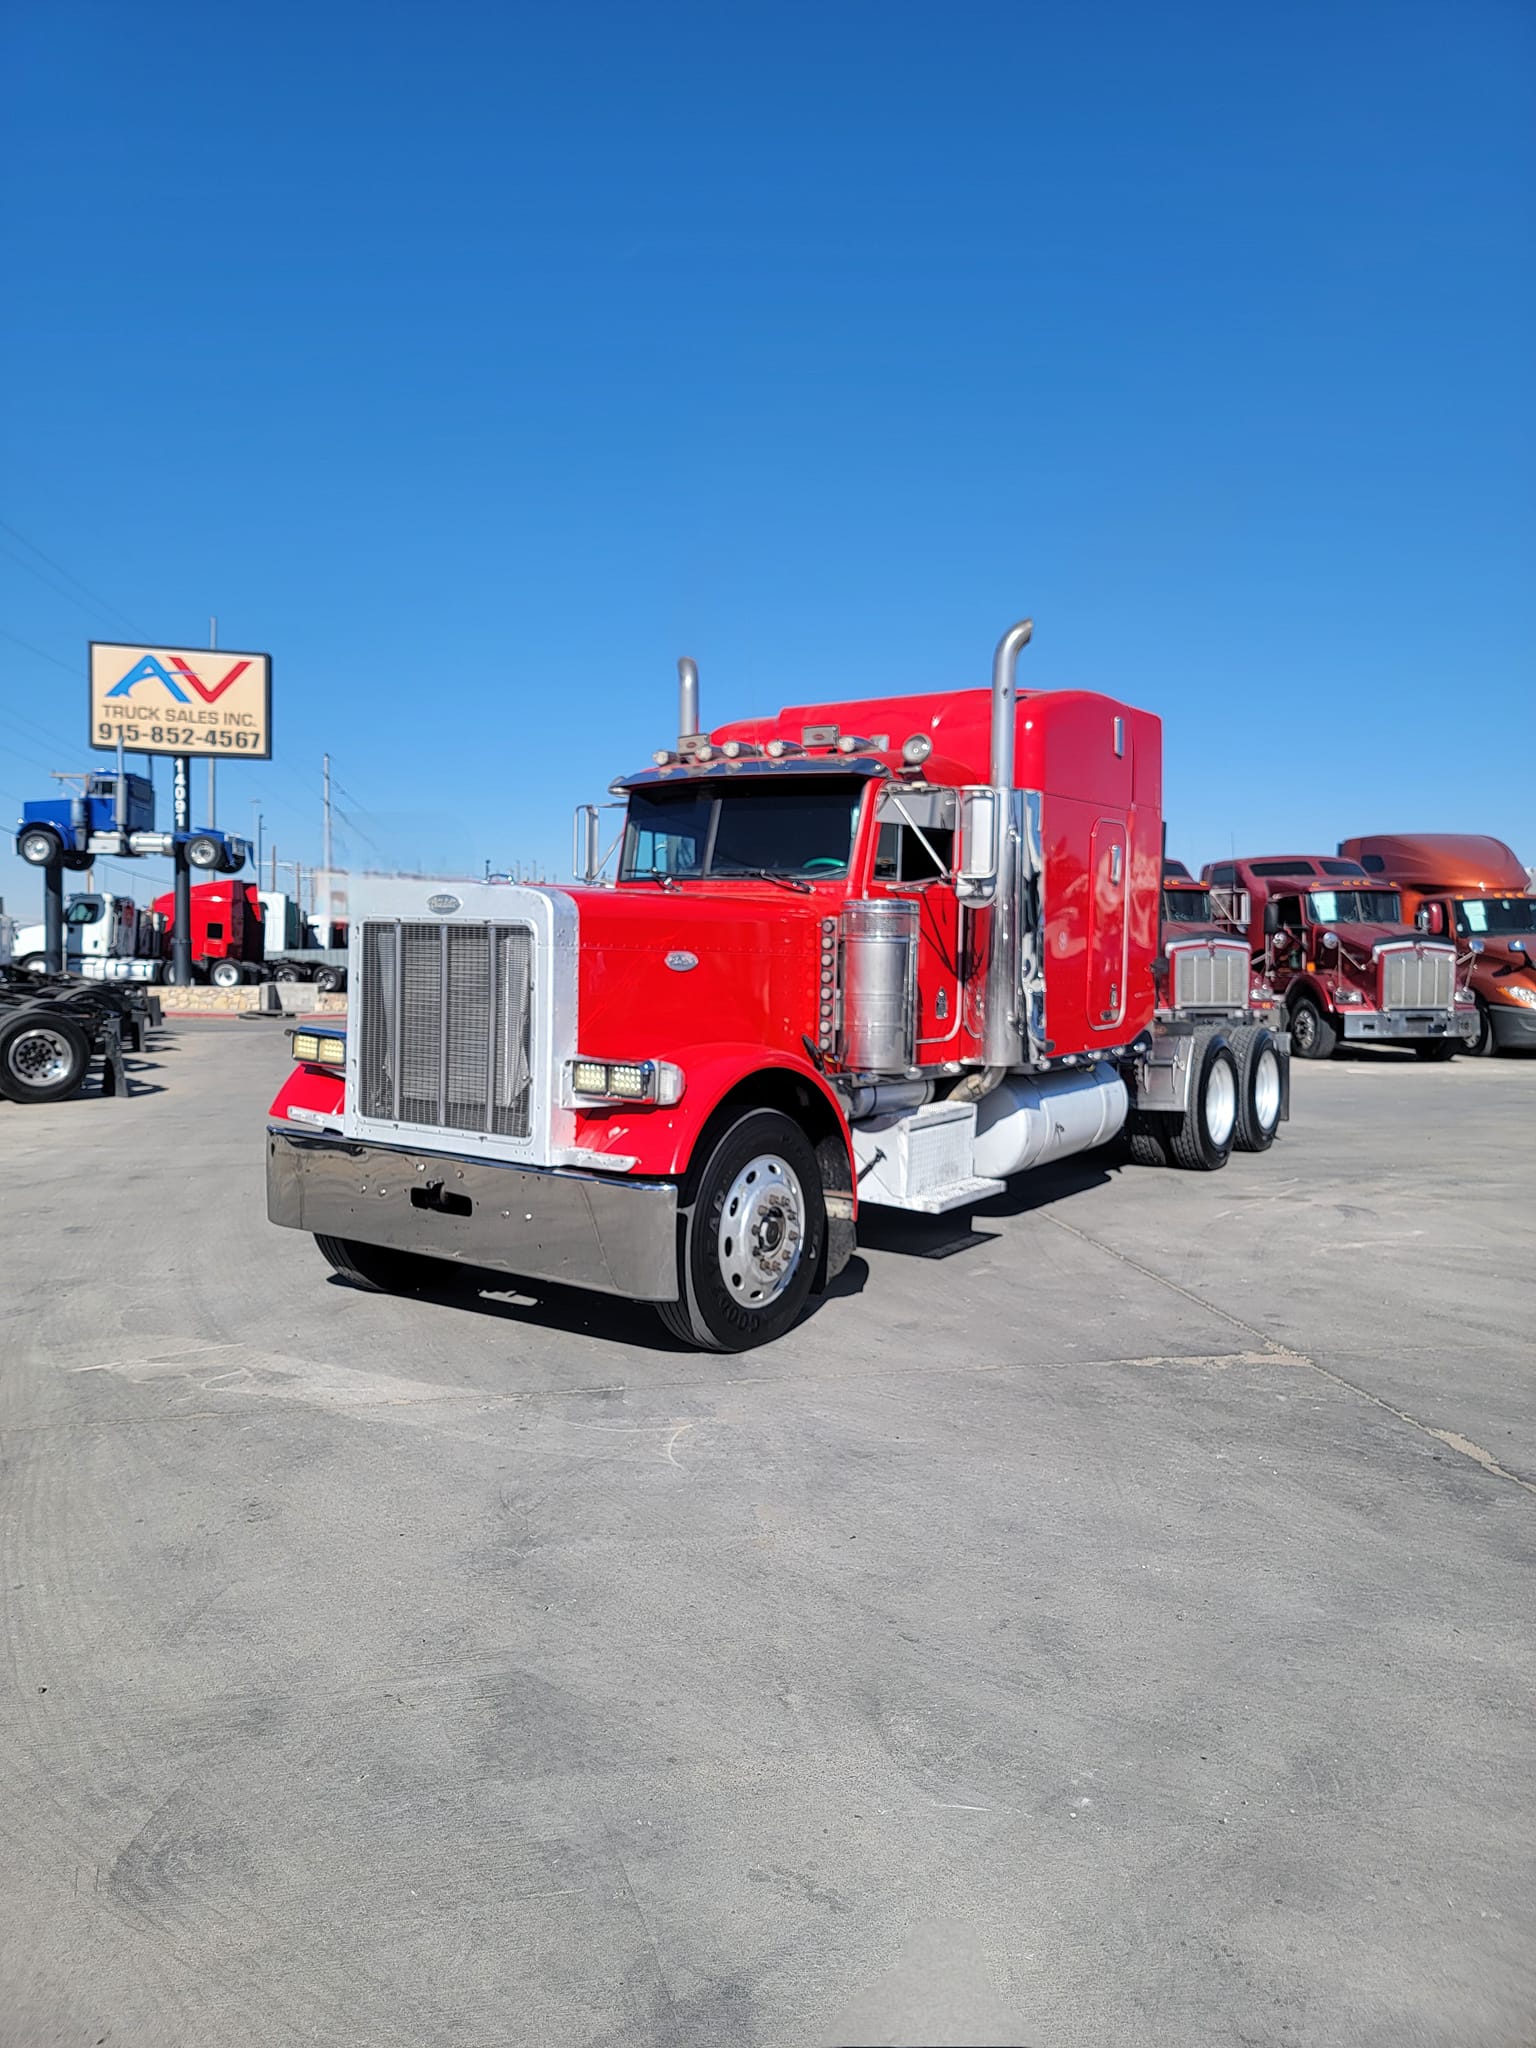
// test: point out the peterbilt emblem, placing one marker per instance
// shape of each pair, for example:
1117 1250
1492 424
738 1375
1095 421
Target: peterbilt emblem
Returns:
445 905
680 963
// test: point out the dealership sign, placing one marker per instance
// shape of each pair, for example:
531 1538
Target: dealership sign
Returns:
180 700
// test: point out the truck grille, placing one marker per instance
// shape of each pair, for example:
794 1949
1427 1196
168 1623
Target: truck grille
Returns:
1210 980
446 1019
1418 979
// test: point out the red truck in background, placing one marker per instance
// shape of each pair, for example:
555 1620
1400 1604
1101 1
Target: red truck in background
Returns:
1474 891
231 943
1205 975
888 952
1338 955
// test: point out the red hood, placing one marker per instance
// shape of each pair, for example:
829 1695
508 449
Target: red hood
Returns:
1179 933
757 954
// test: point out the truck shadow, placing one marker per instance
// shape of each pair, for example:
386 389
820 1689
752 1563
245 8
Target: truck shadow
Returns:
912 1236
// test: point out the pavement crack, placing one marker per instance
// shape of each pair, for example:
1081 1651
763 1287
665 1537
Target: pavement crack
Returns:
1284 1355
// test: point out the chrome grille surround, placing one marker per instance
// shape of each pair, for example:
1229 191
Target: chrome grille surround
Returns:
461 1022
1209 975
1417 977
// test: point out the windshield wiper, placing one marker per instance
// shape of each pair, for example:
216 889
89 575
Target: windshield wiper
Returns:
768 875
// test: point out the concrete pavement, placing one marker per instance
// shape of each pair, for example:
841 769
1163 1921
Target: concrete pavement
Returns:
1110 1627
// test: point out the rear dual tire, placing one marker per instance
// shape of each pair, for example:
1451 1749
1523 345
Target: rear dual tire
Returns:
1201 1139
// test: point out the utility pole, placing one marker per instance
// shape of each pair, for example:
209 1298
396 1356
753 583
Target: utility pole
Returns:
325 836
273 883
213 641
260 822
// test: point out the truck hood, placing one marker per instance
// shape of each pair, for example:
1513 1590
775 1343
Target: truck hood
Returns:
663 969
1180 934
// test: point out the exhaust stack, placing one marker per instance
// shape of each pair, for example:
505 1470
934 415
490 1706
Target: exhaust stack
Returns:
1003 1033
687 704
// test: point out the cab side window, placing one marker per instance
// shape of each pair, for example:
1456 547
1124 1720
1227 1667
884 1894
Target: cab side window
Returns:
901 856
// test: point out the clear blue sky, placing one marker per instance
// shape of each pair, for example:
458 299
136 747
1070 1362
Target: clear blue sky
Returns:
479 360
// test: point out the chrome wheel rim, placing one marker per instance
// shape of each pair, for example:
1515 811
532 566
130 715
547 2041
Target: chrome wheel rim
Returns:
1220 1103
1266 1090
39 1056
762 1231
37 849
1304 1029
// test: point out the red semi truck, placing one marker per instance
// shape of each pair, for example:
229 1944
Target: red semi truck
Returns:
1338 955
1205 976
888 952
231 943
1474 891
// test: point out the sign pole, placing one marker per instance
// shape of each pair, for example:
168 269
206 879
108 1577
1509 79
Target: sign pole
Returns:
181 937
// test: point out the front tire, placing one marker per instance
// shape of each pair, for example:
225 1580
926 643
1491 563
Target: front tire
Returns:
1312 1036
39 846
752 1237
329 979
44 1057
1201 1139
1436 1049
225 974
376 1269
203 852
1485 1045
1260 1087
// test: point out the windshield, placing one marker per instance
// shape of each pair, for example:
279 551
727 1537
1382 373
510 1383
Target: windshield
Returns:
1187 906
1355 906
787 827
1496 914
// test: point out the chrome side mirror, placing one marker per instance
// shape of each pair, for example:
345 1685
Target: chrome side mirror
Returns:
981 843
1475 945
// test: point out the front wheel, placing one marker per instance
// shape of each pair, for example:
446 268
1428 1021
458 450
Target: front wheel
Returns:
1436 1049
752 1237
39 846
1312 1036
43 1057
204 852
1260 1088
1485 1045
34 963
376 1269
329 979
225 974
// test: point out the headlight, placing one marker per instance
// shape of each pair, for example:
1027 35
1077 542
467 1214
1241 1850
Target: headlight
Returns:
1523 995
319 1048
652 1081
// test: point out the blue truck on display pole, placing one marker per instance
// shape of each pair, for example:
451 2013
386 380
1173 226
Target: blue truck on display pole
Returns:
115 815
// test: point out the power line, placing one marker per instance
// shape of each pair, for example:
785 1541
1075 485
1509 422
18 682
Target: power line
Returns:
68 667
102 603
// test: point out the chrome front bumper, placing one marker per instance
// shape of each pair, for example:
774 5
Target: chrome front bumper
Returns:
583 1229
1392 1026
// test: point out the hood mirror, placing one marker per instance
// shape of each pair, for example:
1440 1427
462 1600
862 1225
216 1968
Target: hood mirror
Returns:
1330 939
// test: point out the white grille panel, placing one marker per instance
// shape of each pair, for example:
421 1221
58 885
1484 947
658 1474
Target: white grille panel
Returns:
1213 978
1416 978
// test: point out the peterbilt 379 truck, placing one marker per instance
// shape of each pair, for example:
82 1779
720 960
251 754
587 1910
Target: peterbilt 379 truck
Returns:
887 952
1334 946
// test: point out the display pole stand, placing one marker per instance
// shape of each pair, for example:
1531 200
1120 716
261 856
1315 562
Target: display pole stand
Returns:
53 917
181 937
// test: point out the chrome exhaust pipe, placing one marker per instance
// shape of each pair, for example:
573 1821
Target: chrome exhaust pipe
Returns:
1005 697
1002 1026
687 703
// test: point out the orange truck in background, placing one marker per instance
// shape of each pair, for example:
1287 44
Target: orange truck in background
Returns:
1473 890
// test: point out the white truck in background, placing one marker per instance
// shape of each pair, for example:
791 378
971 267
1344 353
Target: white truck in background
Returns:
106 938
